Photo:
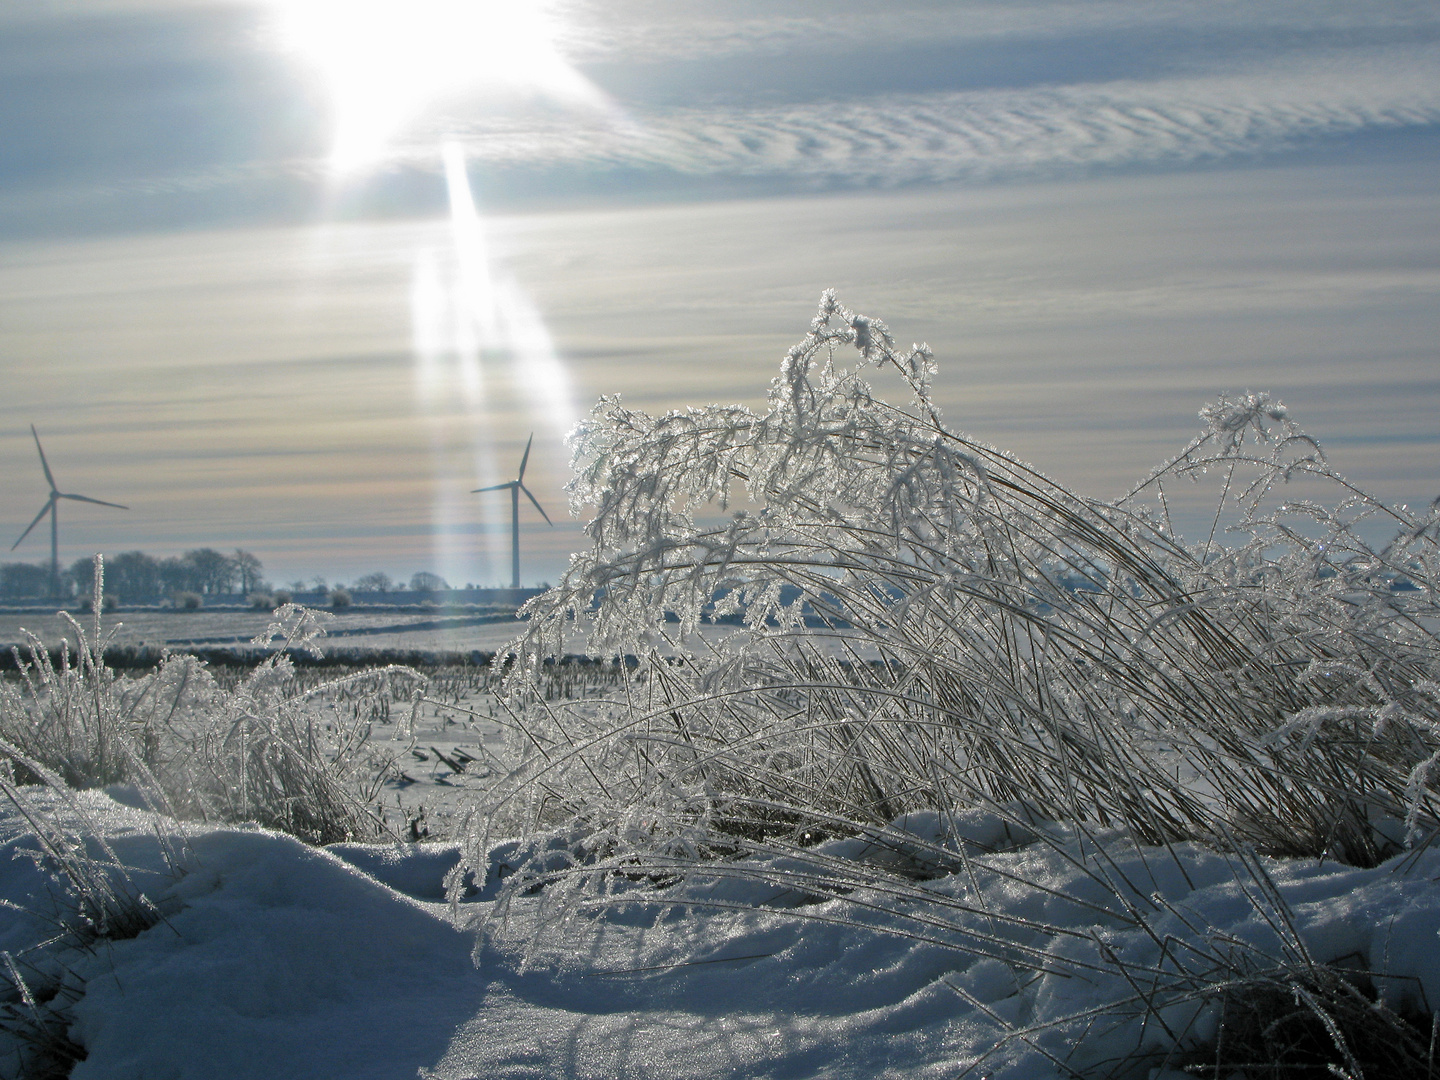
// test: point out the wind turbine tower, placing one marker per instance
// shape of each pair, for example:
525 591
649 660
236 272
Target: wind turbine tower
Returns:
515 487
50 508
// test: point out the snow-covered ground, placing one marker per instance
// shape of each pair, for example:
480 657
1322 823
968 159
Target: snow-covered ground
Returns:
276 960
443 751
345 631
373 630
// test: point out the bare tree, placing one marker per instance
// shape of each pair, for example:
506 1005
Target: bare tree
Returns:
249 569
79 577
177 574
23 581
214 572
133 575
425 581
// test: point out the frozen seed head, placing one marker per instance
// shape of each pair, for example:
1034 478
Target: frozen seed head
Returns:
863 339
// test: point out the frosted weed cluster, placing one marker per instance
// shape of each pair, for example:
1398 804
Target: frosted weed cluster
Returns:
192 748
927 638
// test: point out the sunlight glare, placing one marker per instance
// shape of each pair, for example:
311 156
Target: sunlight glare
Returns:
469 313
384 61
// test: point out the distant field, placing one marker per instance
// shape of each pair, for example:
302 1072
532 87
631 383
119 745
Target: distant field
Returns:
388 635
218 629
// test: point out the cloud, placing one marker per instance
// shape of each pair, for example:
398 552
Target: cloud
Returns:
943 136
879 140
643 30
168 113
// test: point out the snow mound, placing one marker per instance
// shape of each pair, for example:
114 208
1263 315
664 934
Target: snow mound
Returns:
278 960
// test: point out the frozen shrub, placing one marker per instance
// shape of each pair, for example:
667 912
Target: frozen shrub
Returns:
922 622
339 599
262 602
282 597
926 622
186 601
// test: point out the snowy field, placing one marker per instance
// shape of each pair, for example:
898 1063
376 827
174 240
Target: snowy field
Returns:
346 632
276 960
371 630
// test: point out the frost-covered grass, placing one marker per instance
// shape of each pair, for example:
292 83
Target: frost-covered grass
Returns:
930 629
257 750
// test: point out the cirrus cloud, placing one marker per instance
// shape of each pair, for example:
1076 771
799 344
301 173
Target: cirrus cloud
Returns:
982 134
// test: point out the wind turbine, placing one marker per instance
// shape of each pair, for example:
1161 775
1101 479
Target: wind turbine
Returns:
50 508
516 486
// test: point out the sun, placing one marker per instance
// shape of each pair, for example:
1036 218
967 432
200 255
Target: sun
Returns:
384 61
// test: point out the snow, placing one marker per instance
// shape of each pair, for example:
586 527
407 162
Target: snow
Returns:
277 960
438 631
281 961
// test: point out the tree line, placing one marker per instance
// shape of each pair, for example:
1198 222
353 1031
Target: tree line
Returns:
139 577
135 577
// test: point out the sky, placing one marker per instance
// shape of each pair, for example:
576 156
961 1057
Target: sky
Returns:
297 276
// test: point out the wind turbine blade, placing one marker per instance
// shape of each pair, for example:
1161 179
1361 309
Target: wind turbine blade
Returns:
496 487
86 498
537 505
525 459
48 507
49 477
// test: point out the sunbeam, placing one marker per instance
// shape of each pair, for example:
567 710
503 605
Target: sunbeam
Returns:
470 315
